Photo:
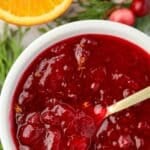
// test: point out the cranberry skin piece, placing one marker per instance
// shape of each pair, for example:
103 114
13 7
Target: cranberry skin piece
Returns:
140 7
123 15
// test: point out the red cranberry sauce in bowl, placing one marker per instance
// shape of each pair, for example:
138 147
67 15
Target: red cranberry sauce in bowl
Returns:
56 100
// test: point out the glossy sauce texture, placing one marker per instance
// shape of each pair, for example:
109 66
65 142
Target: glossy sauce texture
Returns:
60 101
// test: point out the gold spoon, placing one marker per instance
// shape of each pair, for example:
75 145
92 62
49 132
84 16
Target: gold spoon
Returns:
129 101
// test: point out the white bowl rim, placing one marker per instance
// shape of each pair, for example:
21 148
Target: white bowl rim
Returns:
36 47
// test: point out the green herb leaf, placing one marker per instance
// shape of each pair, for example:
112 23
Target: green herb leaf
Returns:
143 24
96 9
10 48
1 147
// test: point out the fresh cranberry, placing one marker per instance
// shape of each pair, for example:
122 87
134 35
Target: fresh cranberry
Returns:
140 7
123 15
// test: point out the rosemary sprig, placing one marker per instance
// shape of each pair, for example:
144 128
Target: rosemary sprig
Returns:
143 24
10 48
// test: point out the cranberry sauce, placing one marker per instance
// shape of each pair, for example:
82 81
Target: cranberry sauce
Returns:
59 102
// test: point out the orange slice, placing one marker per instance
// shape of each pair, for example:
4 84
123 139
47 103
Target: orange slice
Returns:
31 12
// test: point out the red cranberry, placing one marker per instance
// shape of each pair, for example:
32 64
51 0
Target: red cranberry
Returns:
29 134
25 97
53 73
57 114
64 111
140 7
123 15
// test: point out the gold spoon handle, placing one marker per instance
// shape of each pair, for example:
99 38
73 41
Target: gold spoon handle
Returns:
129 101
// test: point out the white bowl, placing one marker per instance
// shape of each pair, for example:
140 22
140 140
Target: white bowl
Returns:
53 36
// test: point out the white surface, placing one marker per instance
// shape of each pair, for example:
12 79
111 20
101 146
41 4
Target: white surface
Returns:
53 36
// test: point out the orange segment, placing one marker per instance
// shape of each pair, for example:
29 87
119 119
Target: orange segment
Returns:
31 12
